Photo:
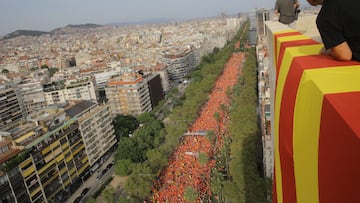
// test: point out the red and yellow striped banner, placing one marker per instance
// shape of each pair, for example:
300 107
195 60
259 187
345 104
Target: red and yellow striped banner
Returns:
316 124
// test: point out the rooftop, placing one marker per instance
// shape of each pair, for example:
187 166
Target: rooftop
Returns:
79 108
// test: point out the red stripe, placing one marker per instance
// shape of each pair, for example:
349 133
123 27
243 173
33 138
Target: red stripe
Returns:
285 45
282 35
291 85
339 148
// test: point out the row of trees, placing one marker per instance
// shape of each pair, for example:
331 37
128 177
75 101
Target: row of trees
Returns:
243 152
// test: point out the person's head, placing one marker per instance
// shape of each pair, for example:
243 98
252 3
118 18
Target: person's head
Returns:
315 2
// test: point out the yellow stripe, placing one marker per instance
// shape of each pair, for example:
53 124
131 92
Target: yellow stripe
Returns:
24 163
274 43
24 137
28 171
314 84
46 150
59 158
284 31
285 65
287 39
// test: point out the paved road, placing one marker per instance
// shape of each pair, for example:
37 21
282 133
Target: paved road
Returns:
92 182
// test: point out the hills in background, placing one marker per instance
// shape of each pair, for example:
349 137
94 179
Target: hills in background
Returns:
17 33
65 29
34 33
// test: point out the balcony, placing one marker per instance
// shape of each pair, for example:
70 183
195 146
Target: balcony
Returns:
315 118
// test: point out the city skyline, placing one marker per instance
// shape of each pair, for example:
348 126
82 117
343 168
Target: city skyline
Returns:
45 15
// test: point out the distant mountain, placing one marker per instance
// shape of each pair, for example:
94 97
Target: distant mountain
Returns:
84 26
147 21
32 33
74 28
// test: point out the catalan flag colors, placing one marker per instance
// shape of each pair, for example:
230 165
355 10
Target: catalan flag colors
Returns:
316 124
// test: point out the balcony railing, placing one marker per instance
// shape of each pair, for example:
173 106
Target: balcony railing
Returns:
315 117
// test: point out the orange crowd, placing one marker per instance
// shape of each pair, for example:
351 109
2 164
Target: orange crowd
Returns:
185 170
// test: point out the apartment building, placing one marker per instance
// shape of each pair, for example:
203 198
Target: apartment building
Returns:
10 108
96 128
159 68
179 62
32 96
54 92
72 89
155 88
80 89
128 94
101 79
52 162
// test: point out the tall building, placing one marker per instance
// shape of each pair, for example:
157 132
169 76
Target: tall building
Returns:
101 79
72 89
161 69
46 158
54 92
9 193
96 128
128 95
262 15
155 89
10 108
179 62
80 89
52 159
32 96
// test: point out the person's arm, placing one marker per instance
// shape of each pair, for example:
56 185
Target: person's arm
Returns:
341 52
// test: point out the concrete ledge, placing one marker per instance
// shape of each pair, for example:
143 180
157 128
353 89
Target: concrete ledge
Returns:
316 121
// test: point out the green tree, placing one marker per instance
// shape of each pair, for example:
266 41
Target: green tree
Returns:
140 181
190 194
128 200
4 71
157 159
108 194
210 135
52 71
124 125
91 200
146 117
123 167
128 148
217 184
44 66
203 158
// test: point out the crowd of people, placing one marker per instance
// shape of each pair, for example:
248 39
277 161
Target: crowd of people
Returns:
186 169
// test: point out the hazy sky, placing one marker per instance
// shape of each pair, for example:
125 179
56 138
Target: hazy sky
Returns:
46 15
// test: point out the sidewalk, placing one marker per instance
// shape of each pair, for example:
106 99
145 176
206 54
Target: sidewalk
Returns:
92 183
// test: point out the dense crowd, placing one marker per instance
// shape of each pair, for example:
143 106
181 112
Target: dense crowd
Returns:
185 169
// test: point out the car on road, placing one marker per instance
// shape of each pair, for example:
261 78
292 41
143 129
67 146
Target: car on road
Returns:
101 174
84 191
78 199
104 171
109 165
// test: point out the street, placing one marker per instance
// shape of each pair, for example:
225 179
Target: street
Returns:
92 182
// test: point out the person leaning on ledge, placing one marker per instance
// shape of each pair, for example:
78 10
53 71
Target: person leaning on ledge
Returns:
338 23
